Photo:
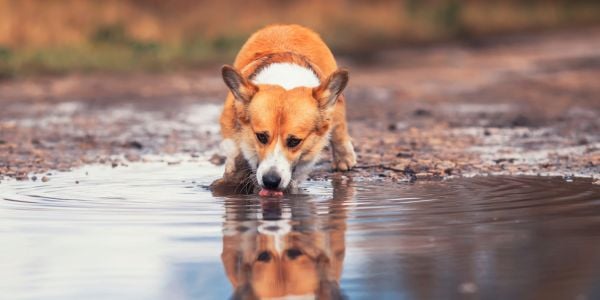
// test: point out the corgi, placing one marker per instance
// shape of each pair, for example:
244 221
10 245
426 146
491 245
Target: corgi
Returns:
284 105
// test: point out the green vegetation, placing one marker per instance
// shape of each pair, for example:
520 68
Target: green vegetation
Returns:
130 35
111 49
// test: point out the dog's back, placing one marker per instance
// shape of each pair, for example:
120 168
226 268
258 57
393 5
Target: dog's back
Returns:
287 38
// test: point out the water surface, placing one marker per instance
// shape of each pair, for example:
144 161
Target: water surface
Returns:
154 231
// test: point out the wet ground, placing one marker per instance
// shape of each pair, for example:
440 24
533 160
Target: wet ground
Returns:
505 106
152 230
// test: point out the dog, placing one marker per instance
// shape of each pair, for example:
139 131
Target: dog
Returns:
284 105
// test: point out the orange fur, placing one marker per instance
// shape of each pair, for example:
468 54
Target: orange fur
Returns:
309 114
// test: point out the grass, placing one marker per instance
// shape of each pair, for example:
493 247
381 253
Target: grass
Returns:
110 49
152 35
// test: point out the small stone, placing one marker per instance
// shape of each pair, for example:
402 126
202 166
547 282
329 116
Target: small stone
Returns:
134 144
467 288
421 112
568 178
520 121
501 160
132 157
45 179
410 173
217 159
404 154
423 175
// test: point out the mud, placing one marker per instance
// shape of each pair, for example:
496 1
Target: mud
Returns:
527 105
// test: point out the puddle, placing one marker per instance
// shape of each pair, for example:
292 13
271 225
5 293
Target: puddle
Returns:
153 231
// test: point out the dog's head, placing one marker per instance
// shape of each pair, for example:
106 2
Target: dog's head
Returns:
282 130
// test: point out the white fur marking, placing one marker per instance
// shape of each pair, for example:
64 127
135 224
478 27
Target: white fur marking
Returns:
287 75
228 147
277 161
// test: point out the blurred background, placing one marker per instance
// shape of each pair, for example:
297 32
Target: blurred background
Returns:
129 35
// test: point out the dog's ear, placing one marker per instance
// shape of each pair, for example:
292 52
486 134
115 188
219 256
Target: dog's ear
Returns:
241 88
330 89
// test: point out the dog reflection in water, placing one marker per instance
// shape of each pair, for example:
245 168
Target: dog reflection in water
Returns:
286 249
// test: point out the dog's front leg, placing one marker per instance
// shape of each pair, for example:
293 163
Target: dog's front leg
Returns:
237 176
231 151
342 150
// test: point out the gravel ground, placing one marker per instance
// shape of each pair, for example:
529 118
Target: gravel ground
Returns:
514 105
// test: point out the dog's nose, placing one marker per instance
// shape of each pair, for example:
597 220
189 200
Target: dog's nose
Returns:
271 180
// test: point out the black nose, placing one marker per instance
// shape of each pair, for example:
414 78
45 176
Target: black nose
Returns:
271 180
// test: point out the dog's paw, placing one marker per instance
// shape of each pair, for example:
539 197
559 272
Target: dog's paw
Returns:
344 157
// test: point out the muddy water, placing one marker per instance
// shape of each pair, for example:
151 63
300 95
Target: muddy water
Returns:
153 231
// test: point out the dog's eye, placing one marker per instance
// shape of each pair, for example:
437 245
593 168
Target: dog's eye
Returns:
264 256
293 253
262 137
293 142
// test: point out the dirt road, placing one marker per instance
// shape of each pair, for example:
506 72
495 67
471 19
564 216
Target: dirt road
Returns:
515 105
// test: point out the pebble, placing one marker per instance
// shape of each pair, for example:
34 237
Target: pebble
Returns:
135 145
132 157
423 175
467 288
404 154
45 179
217 159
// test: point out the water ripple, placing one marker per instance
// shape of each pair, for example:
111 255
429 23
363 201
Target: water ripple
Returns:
143 230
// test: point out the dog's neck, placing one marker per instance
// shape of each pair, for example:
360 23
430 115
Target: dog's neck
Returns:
287 75
288 70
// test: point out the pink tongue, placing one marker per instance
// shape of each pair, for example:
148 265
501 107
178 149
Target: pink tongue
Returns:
270 193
